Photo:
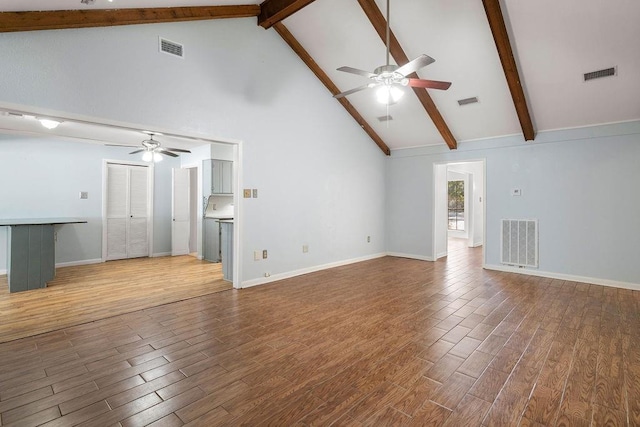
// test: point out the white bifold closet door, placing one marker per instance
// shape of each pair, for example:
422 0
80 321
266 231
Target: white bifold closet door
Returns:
127 211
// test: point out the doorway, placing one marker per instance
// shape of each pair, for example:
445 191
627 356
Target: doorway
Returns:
459 208
184 211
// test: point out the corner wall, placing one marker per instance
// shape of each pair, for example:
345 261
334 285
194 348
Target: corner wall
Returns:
320 178
580 184
42 177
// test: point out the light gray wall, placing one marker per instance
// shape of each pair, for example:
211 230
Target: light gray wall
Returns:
320 178
42 177
582 186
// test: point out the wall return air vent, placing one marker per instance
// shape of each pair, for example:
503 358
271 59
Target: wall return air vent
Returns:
172 48
520 242
599 74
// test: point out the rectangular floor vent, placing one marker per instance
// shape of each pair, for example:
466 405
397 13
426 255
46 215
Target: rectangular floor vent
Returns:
520 242
172 48
600 73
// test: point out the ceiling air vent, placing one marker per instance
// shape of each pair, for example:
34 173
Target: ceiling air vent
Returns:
386 118
171 48
600 73
466 101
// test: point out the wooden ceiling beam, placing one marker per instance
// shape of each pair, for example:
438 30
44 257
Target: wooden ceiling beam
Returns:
501 38
62 19
324 78
380 24
274 11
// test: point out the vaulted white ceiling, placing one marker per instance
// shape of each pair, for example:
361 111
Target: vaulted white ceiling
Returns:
554 44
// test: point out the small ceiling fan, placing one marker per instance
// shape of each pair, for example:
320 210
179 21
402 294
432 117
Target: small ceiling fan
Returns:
389 78
152 149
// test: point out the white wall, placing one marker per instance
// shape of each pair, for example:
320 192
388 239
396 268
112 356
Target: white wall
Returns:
320 178
42 177
582 186
441 211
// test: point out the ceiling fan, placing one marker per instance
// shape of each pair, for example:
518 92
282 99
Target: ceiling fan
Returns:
152 149
389 78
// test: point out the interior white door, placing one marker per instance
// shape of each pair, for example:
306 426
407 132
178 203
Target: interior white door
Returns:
127 209
117 211
138 235
180 224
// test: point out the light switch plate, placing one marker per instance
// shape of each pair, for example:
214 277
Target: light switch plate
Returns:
516 192
247 193
84 195
255 193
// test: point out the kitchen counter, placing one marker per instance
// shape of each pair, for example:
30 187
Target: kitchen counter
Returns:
31 261
40 221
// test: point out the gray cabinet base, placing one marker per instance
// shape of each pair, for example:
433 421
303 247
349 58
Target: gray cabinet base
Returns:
30 257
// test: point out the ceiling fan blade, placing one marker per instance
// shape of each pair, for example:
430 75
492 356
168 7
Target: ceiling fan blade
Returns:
429 84
119 145
414 65
179 150
358 89
165 152
357 71
138 151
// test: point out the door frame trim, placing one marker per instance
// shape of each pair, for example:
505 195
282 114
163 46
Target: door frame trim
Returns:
151 175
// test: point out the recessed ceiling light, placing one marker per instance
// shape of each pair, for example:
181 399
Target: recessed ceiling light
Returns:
49 123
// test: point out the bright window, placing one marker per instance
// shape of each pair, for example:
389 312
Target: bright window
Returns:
456 205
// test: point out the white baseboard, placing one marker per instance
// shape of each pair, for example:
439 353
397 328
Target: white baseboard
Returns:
81 262
294 273
159 254
411 256
3 272
560 276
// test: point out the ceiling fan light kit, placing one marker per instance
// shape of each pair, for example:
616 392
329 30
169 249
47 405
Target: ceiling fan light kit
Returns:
151 149
391 79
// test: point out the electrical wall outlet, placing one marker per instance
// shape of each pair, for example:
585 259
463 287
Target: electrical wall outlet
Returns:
305 249
247 193
368 239
516 192
256 256
255 193
84 195
264 254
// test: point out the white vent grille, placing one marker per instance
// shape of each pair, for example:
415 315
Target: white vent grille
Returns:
600 73
172 48
466 101
520 242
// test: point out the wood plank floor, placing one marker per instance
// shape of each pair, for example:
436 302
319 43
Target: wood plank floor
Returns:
390 341
87 293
